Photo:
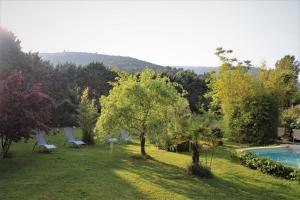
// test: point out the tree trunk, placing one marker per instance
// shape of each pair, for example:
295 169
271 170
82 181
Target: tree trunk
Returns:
195 153
143 140
5 144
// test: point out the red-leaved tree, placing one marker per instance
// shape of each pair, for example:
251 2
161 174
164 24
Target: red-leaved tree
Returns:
22 110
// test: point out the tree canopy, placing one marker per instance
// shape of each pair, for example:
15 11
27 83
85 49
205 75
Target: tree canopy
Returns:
250 110
21 110
143 105
87 115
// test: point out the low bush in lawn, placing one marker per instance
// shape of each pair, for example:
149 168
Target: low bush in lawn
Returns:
199 171
267 166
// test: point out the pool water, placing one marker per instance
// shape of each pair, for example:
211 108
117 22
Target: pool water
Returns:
286 156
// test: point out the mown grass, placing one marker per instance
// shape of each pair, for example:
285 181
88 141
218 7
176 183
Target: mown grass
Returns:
99 172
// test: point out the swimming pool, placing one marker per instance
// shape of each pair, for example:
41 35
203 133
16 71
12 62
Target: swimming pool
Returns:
286 156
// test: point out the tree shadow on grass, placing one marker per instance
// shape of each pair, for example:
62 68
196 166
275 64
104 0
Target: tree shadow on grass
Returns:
175 180
91 173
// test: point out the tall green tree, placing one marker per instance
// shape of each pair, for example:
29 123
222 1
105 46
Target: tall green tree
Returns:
249 108
87 116
140 104
282 80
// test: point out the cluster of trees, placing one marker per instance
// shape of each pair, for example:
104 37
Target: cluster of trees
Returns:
193 84
251 104
161 106
65 83
68 83
149 106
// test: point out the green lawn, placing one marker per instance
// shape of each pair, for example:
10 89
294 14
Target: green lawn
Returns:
98 173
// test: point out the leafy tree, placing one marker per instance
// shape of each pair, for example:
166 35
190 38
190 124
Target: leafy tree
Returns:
69 81
64 82
65 91
10 51
194 85
200 131
289 63
87 116
196 88
140 104
282 80
96 77
250 109
12 58
175 136
21 110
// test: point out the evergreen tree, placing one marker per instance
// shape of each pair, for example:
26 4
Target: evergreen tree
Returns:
87 115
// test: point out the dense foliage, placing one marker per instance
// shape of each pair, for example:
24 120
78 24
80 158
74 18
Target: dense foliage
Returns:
87 115
69 82
251 105
194 85
22 110
268 166
144 105
64 82
281 81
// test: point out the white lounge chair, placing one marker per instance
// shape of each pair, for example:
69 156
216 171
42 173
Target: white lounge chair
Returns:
125 136
42 142
110 138
70 137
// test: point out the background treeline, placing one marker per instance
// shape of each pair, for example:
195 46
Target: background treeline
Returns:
247 106
66 82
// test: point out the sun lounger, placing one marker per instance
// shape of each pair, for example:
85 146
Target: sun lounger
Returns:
42 142
70 137
110 138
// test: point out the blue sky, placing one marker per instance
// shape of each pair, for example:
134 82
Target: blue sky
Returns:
163 32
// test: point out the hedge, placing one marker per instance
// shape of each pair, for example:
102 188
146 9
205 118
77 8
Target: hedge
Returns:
267 166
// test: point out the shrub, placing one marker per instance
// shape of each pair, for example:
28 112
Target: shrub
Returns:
199 171
267 166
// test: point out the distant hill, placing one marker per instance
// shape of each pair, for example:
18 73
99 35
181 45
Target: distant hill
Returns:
80 58
198 69
121 62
